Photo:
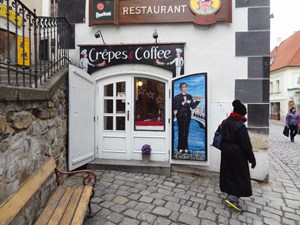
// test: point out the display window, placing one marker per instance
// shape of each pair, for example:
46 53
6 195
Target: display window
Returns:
149 107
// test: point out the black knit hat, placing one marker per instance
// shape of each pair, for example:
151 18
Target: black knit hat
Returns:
239 107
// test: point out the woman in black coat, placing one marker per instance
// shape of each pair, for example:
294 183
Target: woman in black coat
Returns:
236 152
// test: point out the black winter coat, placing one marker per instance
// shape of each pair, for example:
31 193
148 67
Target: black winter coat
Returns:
236 152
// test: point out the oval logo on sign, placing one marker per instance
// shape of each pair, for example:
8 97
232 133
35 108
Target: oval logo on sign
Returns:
100 6
205 7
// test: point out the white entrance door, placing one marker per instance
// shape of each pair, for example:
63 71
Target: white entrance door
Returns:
131 112
114 117
81 118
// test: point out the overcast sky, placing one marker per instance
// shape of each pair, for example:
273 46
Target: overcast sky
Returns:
286 19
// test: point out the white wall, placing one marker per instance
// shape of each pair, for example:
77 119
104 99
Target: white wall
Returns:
208 49
288 78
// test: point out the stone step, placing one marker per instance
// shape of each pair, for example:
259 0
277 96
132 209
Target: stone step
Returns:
13 79
133 166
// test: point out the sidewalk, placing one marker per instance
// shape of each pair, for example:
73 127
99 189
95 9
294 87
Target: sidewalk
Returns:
141 199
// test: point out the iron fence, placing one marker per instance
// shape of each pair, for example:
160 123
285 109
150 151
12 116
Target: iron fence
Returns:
32 48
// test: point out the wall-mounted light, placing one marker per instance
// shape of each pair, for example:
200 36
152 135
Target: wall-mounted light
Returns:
140 83
155 36
99 34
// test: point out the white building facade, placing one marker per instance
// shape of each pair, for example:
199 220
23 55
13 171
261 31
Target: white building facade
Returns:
285 77
284 91
232 53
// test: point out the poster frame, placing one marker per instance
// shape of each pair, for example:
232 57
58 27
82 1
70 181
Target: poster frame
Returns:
174 92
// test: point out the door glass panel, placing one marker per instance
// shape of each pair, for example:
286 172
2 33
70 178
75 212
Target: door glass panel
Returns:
149 108
108 123
121 89
120 123
108 106
108 90
120 106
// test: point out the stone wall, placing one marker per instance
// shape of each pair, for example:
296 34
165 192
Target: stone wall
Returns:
29 128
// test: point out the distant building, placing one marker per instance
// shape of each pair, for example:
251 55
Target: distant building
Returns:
285 77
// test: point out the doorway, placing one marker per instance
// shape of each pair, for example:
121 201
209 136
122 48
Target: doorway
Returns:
131 111
115 117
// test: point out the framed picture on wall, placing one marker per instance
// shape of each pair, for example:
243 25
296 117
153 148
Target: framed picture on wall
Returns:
189 118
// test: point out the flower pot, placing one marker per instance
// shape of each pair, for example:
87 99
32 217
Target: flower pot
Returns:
146 158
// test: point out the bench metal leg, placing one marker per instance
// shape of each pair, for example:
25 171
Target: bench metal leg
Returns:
91 214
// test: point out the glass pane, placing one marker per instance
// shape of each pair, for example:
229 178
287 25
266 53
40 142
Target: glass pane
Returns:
108 106
108 90
108 123
149 104
120 123
120 106
121 89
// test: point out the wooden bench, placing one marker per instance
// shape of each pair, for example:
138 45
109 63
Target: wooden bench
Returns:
67 205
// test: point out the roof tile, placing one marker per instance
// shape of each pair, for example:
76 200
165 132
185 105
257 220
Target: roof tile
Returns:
287 53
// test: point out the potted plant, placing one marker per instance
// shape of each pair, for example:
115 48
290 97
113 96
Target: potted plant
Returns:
146 151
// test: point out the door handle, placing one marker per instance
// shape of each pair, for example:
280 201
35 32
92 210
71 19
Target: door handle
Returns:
127 115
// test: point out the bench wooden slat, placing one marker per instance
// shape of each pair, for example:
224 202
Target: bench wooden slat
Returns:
69 213
61 207
82 206
51 206
12 206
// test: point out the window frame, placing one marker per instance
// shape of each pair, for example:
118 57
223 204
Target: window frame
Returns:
148 122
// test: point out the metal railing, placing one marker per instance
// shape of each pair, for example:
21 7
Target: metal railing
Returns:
32 48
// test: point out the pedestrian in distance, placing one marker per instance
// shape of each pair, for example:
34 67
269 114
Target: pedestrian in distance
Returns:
236 153
292 122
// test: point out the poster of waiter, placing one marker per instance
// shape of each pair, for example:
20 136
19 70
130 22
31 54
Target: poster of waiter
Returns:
189 118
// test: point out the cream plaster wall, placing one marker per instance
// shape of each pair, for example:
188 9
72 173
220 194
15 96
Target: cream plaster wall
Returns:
287 78
208 49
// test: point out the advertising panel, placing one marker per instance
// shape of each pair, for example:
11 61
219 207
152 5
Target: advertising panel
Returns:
189 120
23 51
167 56
12 15
160 11
102 10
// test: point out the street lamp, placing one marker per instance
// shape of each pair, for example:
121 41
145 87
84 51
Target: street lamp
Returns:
99 34
155 36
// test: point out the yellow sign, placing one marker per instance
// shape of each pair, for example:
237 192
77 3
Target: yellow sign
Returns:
205 7
23 51
12 15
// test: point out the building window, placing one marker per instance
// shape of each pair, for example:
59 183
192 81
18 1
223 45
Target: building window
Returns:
54 8
275 110
6 52
149 108
272 59
44 49
271 87
277 86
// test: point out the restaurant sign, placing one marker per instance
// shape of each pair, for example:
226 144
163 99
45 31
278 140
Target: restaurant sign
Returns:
167 56
202 12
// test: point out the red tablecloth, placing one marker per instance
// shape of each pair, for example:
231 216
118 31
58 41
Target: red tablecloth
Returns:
149 123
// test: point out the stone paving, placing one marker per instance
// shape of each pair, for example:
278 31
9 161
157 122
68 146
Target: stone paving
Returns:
140 199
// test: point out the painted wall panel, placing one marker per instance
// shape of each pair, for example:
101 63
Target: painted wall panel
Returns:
259 18
248 3
252 43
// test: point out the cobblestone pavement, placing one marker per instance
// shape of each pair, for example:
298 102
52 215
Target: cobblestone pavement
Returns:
141 199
